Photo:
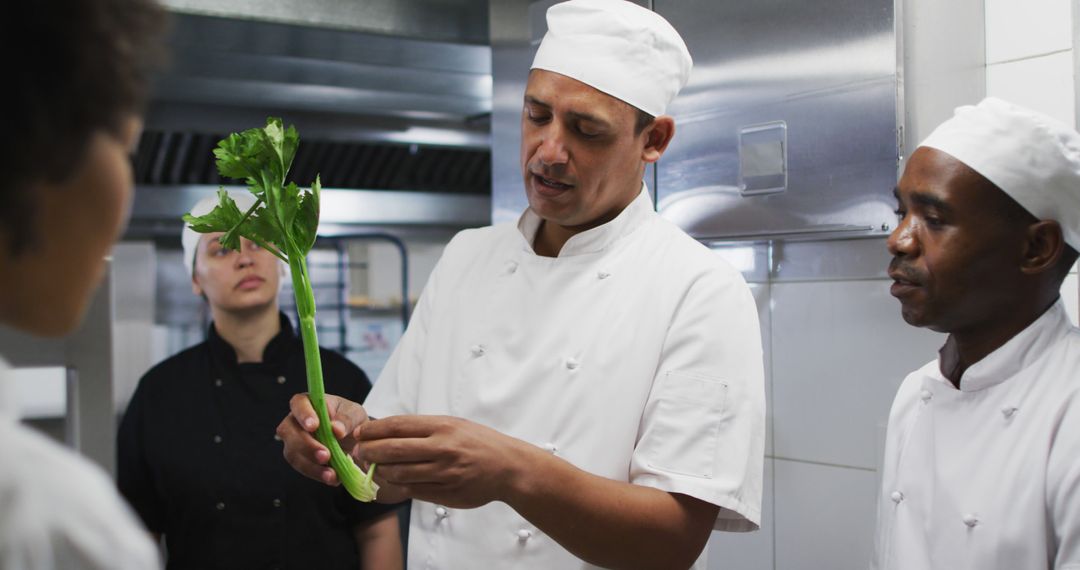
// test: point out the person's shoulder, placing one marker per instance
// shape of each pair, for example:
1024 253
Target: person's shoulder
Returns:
178 361
910 391
333 358
688 256
342 375
469 242
61 505
174 369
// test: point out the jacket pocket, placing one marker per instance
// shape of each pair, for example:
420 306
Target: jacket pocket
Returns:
683 430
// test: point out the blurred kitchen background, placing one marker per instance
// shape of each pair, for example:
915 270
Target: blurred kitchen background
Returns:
790 137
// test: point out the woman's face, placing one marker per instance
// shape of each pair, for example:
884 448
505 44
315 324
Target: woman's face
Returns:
45 288
235 281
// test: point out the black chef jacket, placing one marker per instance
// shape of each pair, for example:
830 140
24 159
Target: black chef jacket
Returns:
200 462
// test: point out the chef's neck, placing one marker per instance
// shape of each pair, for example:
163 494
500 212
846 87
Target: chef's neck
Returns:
552 236
249 331
968 346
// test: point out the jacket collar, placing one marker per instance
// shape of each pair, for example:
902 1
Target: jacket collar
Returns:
1015 355
275 353
596 239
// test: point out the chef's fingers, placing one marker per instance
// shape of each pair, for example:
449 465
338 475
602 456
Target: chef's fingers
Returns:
402 426
398 450
301 410
345 415
304 453
409 474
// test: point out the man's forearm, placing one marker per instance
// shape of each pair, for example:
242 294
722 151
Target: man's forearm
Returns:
380 543
610 523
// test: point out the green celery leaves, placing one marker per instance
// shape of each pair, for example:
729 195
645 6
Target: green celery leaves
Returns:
284 220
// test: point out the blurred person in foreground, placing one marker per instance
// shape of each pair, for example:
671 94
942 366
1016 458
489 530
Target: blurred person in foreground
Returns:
982 458
584 388
76 80
197 453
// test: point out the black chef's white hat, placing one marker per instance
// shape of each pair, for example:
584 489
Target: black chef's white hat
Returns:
1033 158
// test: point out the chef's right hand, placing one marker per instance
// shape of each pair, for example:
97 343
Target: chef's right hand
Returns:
303 452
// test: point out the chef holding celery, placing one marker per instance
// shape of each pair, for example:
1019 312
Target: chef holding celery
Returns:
583 388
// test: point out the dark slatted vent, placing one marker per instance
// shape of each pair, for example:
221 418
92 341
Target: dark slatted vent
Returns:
165 157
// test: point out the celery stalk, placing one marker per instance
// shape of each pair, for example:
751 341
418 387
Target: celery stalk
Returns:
284 221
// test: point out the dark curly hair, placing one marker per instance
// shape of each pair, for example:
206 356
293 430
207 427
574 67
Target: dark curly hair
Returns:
74 68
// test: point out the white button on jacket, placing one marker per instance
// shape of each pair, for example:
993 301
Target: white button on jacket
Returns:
636 349
990 472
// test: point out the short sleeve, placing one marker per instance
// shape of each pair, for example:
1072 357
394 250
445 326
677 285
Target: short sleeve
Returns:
703 428
1063 486
133 473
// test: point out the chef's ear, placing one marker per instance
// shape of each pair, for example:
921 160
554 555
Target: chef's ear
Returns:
657 137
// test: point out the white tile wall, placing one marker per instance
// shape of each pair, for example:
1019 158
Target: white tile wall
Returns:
762 296
747 550
839 351
1018 29
1043 83
824 516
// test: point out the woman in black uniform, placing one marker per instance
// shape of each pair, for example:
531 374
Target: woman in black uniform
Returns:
212 480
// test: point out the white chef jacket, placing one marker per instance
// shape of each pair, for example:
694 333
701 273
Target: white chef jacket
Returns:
987 477
634 355
58 510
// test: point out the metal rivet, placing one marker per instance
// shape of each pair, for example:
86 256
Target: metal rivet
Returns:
277 502
217 439
280 379
218 382
221 506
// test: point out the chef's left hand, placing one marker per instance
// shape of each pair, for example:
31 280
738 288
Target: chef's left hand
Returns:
442 459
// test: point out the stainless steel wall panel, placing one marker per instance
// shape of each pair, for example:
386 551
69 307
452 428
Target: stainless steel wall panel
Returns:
446 20
828 70
339 207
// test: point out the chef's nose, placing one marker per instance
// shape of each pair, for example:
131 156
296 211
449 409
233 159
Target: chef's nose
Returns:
902 241
552 148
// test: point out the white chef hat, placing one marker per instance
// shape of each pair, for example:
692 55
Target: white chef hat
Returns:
617 47
190 238
1033 158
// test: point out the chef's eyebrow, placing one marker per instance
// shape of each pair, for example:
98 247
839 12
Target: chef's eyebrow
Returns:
925 200
579 115
530 100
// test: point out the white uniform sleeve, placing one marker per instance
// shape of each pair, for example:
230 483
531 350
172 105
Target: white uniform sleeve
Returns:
703 429
396 390
63 513
1063 486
